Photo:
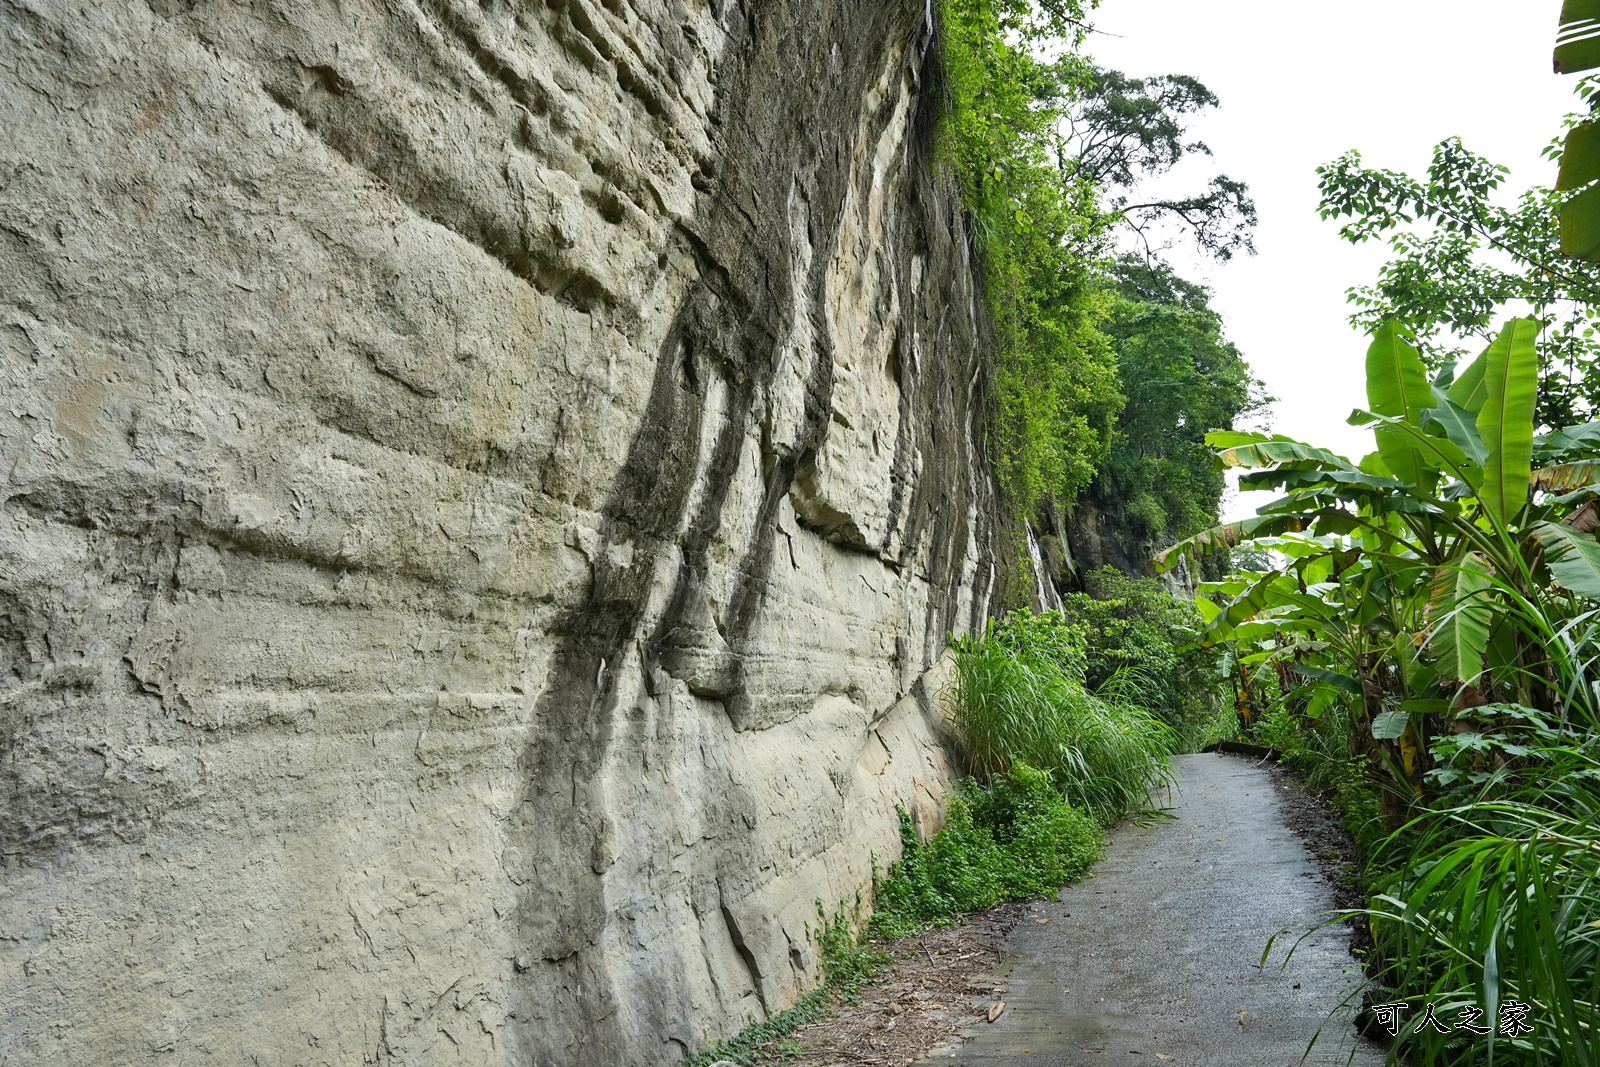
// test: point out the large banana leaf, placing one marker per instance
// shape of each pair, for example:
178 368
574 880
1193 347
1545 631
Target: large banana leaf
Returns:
1578 38
1389 725
1299 478
1460 614
1580 215
1417 673
1278 450
1558 443
1580 225
1320 700
1297 547
1459 425
1372 463
1271 590
1573 558
1505 422
1468 390
1305 504
1398 387
1337 679
1230 438
1204 543
1397 382
1580 158
1564 476
1337 522
1578 48
1439 453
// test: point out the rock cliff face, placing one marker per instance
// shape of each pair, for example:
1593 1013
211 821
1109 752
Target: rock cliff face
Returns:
487 487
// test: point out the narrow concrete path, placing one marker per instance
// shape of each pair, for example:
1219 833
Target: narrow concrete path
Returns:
1154 959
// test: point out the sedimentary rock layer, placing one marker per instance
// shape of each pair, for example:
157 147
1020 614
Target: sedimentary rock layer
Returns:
487 489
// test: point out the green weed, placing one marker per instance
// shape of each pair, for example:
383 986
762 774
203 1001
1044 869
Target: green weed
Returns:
1012 839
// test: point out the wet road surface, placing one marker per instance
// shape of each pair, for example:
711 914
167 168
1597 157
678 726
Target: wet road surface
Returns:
1153 960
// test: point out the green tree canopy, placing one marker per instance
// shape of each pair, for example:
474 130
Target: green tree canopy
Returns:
1181 378
1122 131
1102 366
1460 256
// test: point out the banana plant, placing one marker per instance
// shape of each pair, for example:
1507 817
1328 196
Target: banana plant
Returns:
1578 49
1438 573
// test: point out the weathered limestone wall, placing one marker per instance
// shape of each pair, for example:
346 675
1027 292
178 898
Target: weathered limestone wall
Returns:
486 488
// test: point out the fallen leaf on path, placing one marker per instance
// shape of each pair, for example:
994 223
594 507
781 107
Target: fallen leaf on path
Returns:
995 1009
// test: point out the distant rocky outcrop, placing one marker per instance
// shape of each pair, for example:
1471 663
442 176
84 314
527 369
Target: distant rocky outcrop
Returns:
488 485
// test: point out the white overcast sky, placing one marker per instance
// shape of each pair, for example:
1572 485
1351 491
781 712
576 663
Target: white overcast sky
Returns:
1301 83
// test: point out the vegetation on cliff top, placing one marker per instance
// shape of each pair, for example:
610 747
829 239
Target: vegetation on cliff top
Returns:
1040 233
1103 366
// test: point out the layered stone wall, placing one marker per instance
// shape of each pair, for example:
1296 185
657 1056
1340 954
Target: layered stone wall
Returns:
487 488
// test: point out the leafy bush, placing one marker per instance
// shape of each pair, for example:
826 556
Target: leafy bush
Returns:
1135 629
1019 697
1318 749
1012 839
1046 635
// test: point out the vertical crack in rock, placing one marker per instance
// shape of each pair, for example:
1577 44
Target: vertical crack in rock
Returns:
749 958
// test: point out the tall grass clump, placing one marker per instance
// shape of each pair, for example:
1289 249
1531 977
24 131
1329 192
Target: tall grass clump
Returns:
1019 697
1492 898
1052 764
1136 628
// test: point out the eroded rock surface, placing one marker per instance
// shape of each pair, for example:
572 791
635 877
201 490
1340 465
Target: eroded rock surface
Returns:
487 488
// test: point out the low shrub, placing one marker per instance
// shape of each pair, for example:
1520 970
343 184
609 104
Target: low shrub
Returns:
1014 838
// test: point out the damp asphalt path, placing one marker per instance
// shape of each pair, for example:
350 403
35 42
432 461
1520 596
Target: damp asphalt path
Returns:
1153 960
